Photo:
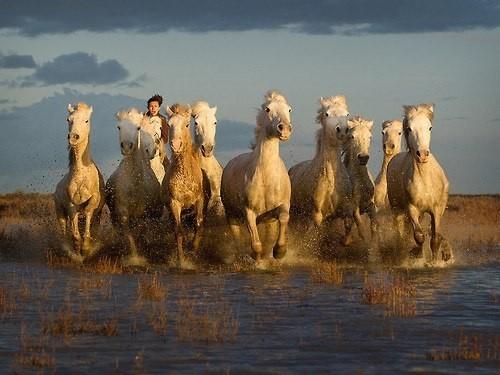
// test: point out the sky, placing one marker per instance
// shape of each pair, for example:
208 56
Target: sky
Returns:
379 54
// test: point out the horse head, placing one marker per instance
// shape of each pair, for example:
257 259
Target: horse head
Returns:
360 134
274 117
204 127
179 118
417 126
391 136
129 126
78 123
332 115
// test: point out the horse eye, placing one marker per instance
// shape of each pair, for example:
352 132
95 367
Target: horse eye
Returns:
409 129
289 110
430 128
337 129
196 122
268 109
352 137
87 121
215 123
399 133
326 114
187 124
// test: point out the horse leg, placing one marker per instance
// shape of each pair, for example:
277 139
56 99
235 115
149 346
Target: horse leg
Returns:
235 228
280 248
372 213
418 233
175 209
251 218
198 232
75 234
359 223
437 238
87 238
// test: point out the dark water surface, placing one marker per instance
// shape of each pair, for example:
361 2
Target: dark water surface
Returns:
272 322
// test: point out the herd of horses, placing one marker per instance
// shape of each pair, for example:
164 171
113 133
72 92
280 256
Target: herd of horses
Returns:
254 187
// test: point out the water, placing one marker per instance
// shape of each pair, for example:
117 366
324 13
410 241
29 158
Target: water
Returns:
271 322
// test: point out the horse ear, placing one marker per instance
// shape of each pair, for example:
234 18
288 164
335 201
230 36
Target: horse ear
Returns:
70 108
91 109
430 107
214 110
168 111
408 109
369 124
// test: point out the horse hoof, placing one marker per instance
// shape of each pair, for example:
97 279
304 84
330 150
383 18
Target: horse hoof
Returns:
135 260
279 251
419 238
416 252
74 256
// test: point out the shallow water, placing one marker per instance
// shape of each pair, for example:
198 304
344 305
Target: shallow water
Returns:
280 321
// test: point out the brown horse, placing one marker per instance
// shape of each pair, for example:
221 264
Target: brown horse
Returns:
182 187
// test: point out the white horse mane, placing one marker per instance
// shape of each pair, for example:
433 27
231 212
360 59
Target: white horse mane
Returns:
130 114
410 111
199 107
396 123
273 96
337 101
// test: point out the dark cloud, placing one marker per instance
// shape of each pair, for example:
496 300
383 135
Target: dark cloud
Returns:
79 68
34 17
16 61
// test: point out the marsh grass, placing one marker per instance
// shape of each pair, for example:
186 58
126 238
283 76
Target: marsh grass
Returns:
468 348
151 288
328 273
394 291
66 323
34 351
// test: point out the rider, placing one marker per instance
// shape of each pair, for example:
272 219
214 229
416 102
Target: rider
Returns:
153 115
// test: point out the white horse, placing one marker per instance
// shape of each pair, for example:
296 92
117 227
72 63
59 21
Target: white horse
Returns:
205 124
356 157
416 183
81 190
256 186
391 144
321 187
133 191
153 127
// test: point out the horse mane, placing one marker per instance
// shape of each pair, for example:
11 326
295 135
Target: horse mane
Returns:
410 111
389 123
199 107
82 105
128 114
338 101
181 110
319 133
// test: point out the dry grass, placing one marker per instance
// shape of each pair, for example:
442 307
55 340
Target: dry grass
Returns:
216 322
394 291
158 319
33 351
108 266
468 348
151 288
329 273
66 323
7 303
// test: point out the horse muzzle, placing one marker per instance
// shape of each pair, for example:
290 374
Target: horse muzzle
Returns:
363 159
73 139
176 146
422 156
126 148
284 131
207 150
389 148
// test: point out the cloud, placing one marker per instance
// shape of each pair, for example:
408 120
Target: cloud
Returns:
34 17
78 68
16 61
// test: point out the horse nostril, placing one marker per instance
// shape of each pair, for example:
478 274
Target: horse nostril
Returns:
203 148
393 146
427 153
77 137
280 127
418 153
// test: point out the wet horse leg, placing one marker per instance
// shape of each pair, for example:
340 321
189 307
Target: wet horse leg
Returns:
418 233
251 218
280 248
175 209
436 237
75 234
199 225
